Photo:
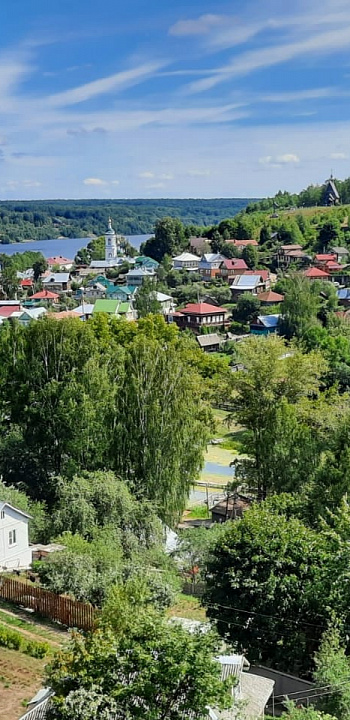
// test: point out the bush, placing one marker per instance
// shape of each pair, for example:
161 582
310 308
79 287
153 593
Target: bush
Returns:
15 641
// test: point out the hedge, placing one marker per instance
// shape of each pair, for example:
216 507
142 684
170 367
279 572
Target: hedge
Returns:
15 641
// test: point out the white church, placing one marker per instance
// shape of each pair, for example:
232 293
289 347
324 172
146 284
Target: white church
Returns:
113 244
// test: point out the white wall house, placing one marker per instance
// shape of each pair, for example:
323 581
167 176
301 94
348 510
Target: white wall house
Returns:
15 552
186 261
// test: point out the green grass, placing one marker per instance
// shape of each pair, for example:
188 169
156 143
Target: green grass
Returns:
51 633
198 512
187 606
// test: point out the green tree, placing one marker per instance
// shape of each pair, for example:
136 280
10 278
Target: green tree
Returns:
333 672
264 393
156 670
329 234
251 256
247 308
273 584
9 280
161 429
169 238
299 308
146 300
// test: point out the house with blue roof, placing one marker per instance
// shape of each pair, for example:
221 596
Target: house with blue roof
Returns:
265 324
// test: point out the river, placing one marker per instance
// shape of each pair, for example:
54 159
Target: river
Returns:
67 247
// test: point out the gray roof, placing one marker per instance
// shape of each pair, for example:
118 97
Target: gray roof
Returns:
340 250
56 278
269 321
245 282
104 263
186 257
4 504
141 272
86 309
211 339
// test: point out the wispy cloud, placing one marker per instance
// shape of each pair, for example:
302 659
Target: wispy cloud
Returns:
264 58
278 160
198 26
120 80
97 182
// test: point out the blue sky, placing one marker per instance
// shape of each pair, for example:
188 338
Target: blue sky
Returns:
151 99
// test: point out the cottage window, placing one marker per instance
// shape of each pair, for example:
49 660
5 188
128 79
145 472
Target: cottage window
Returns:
12 537
2 514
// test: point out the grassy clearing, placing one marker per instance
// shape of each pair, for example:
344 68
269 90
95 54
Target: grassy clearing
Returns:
9 618
187 606
197 512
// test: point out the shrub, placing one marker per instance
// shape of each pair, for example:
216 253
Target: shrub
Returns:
15 641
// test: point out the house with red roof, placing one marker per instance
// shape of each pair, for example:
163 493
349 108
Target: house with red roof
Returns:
316 274
26 283
45 295
230 268
195 316
59 261
270 298
241 244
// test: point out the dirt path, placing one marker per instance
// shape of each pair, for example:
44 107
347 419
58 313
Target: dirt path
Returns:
50 636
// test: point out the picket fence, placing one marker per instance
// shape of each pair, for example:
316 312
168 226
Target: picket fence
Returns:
56 607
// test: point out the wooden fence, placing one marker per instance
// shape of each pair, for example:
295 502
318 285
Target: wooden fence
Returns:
56 607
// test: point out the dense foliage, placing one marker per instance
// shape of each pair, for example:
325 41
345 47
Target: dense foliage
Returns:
44 219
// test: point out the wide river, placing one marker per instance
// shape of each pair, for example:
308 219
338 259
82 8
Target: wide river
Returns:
67 247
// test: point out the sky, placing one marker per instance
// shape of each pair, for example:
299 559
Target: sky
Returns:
172 99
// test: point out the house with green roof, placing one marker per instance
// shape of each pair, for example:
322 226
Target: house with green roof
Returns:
146 262
121 292
115 308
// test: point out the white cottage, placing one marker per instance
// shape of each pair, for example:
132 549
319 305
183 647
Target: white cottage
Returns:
15 552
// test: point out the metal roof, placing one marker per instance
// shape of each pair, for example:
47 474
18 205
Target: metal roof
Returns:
245 282
4 504
210 339
56 278
269 321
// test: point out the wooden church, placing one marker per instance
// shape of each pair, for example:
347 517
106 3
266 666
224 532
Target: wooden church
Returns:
331 195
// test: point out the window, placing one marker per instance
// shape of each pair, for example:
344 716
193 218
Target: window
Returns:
12 537
2 514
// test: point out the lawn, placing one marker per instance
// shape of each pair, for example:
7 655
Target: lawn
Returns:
187 606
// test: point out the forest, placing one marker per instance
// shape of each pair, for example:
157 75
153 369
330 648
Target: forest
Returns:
42 220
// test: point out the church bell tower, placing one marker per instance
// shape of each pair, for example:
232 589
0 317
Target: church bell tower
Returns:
111 247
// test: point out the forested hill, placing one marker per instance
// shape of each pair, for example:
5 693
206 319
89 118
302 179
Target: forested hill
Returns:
312 196
41 220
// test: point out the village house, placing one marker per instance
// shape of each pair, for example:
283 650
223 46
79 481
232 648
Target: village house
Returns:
230 268
283 254
15 553
241 244
57 281
166 302
211 342
46 295
270 298
316 274
341 253
252 281
121 292
209 265
195 316
58 261
231 507
264 324
199 245
115 308
186 261
84 310
146 262
136 277
344 297
93 291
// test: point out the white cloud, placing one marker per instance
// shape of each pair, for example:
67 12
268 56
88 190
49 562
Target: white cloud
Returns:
115 182
94 181
146 175
166 176
103 85
338 156
199 26
156 186
278 160
253 60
